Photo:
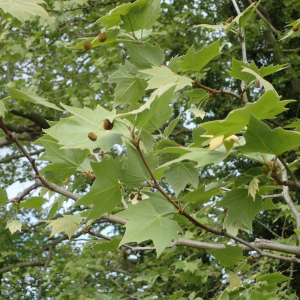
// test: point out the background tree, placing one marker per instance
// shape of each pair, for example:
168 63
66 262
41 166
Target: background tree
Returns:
145 50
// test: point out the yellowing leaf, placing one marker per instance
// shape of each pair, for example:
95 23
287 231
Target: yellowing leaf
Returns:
17 8
14 225
234 281
228 142
253 187
62 224
216 142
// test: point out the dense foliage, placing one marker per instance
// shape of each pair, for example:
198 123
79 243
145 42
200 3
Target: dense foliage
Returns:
158 143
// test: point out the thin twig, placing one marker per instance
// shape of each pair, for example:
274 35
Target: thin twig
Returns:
24 193
244 54
287 197
265 226
213 92
6 159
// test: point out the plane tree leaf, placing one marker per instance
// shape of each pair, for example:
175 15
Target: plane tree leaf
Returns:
13 226
65 162
107 246
146 56
203 194
113 18
295 125
29 96
134 171
228 256
18 8
260 138
242 209
163 75
266 107
84 121
238 66
34 202
105 193
195 61
179 175
130 87
151 225
201 155
141 17
3 197
62 224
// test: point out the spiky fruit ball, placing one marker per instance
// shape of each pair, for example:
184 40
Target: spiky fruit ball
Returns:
107 125
87 45
92 136
102 37
295 28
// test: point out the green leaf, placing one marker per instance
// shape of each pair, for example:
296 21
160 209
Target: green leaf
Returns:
295 125
130 88
163 75
173 63
3 109
260 138
134 171
201 155
65 162
141 18
3 197
113 18
107 246
105 193
29 96
202 194
241 207
159 111
262 296
234 281
244 17
195 61
151 225
169 129
267 85
273 278
112 36
34 202
228 256
145 56
238 73
84 121
253 187
266 107
179 175
63 224
13 226
18 8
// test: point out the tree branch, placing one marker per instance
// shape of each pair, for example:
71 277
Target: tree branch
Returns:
7 159
24 264
33 116
213 92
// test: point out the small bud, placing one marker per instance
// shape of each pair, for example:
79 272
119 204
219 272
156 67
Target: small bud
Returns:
131 196
87 45
139 197
107 125
295 28
257 84
92 136
102 37
224 23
